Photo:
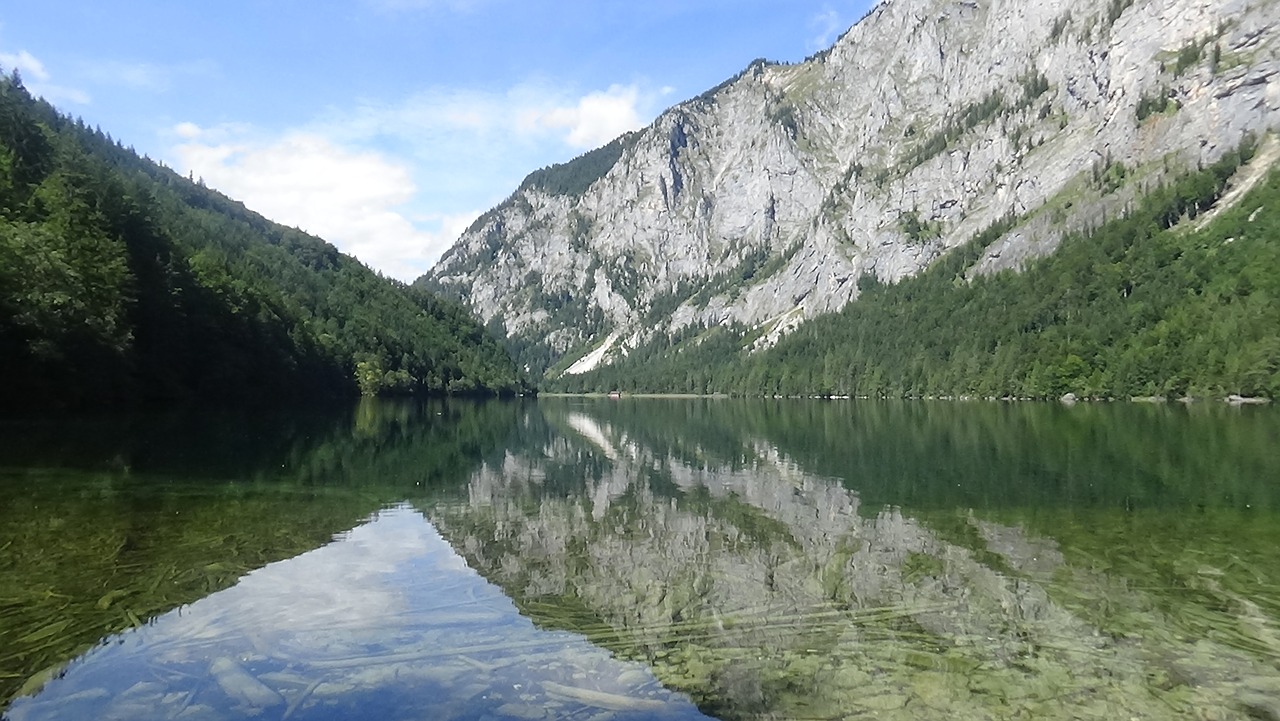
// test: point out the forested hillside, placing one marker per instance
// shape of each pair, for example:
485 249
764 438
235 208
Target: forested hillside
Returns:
762 202
1147 304
121 281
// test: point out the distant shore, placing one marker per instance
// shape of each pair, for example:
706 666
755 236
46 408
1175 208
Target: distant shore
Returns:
634 395
1235 400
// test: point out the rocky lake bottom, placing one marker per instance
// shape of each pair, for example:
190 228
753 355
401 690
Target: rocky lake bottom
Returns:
644 559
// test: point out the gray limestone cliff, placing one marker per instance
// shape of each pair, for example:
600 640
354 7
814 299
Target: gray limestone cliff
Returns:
763 202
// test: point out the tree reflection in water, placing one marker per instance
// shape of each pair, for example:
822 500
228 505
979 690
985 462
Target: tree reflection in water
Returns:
765 591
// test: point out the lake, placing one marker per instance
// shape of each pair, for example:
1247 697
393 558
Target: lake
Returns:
590 559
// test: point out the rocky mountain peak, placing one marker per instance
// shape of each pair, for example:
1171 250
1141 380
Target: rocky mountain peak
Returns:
767 200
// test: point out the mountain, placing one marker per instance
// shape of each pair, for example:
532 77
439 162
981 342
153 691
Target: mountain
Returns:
122 282
788 190
1177 297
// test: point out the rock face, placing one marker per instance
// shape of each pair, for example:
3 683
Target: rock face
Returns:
764 201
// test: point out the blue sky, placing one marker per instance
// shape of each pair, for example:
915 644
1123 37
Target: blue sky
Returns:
386 126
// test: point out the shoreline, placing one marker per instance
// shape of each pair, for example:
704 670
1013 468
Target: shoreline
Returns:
1232 400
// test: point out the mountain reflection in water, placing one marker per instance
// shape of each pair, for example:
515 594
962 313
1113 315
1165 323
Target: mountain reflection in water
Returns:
764 591
605 561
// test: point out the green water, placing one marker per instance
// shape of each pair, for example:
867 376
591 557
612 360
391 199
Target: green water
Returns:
636 559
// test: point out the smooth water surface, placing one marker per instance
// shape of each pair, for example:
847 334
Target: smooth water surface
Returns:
645 559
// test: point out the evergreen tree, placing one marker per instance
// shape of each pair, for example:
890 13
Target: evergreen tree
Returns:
121 281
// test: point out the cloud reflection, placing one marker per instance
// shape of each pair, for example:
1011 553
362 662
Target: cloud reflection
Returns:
386 616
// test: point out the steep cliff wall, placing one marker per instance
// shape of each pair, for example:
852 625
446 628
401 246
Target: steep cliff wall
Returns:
762 202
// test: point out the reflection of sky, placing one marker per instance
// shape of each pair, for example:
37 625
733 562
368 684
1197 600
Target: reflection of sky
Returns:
387 617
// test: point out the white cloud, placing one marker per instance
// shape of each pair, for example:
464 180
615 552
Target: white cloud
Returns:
137 76
596 119
187 131
25 63
828 24
36 79
395 184
349 197
59 94
531 112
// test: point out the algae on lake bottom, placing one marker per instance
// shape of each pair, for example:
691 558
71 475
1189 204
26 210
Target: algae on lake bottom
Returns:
839 613
714 551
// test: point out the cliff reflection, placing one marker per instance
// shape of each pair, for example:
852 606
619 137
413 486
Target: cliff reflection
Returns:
765 591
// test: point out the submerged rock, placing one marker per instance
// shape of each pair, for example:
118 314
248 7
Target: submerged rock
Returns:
241 686
1238 400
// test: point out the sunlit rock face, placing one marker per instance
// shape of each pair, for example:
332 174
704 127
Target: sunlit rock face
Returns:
763 591
764 201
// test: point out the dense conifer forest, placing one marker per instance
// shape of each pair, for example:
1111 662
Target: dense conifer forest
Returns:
1149 304
123 282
